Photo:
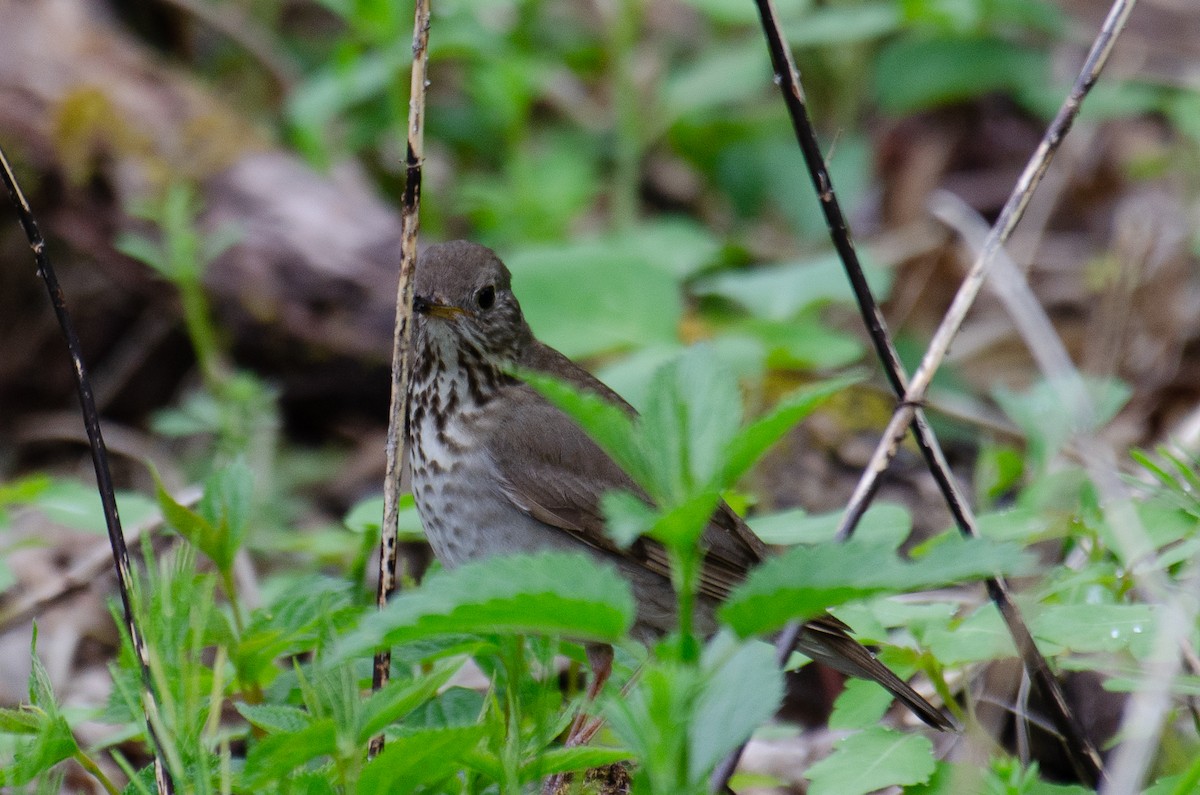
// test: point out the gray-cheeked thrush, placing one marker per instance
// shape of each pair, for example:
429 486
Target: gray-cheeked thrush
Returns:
496 469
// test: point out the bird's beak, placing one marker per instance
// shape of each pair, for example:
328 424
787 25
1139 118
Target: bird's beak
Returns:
434 309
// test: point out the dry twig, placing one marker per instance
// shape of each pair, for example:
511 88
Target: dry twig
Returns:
402 347
104 483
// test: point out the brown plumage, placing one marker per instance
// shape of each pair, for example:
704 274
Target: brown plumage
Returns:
498 469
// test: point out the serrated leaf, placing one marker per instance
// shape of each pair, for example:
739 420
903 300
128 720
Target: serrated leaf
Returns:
626 516
457 706
781 292
755 439
275 718
681 526
743 687
860 705
400 698
280 754
884 522
53 741
193 527
871 760
21 721
422 757
226 506
552 593
807 580
692 413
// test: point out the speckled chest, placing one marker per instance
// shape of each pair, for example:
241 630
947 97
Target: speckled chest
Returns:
451 468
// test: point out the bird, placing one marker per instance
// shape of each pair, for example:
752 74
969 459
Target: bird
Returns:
497 469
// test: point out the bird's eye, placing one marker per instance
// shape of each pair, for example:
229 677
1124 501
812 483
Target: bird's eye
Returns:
486 297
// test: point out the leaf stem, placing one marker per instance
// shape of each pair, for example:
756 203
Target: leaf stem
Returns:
92 768
627 138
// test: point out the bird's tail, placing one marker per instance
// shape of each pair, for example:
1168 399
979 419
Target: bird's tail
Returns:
826 641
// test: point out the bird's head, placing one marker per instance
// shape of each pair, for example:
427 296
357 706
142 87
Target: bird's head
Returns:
463 296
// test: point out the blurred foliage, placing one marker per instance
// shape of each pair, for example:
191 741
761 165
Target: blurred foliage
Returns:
545 121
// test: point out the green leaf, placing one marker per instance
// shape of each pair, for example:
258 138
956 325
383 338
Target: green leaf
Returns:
553 593
756 438
275 718
980 636
197 530
53 740
400 698
718 77
414 759
457 706
276 756
367 515
781 292
143 250
1096 628
77 505
805 342
674 244
226 506
733 12
639 305
883 522
860 705
842 25
610 426
1051 411
913 74
692 413
683 525
806 581
871 760
742 689
21 721
626 516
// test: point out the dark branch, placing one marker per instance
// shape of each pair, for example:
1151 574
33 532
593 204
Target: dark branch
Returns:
104 483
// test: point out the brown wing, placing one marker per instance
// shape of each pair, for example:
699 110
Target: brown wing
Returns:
563 475
560 481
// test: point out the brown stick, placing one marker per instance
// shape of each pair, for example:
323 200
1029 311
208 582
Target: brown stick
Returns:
104 482
402 346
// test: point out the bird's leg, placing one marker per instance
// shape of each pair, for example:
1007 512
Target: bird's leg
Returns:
600 659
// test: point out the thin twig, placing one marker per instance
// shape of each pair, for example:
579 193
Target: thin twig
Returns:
104 483
1035 169
906 412
1148 708
401 344
1150 705
1084 757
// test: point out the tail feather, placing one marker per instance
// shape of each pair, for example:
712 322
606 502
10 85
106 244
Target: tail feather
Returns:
825 640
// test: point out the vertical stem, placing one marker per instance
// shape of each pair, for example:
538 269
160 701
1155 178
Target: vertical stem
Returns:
685 566
200 332
104 481
627 138
401 341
